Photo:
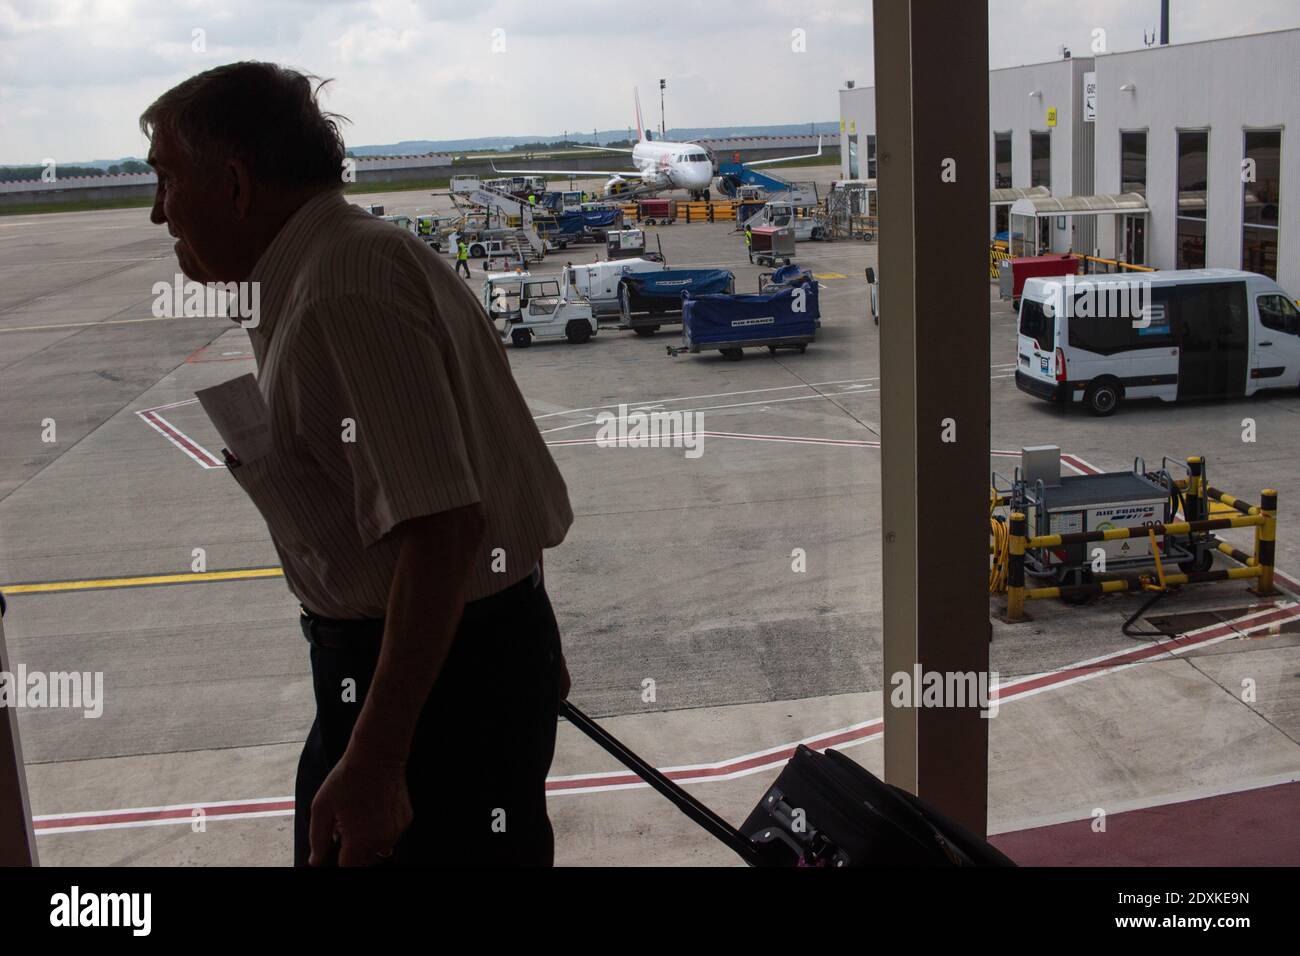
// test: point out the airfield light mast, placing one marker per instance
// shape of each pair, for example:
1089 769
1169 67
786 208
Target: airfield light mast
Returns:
662 128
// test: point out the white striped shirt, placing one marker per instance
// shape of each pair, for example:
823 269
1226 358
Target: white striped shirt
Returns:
390 398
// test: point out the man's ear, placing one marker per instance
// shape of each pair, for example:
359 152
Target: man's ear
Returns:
239 181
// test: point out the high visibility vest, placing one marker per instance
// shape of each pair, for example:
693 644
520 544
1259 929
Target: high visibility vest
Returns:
462 252
748 234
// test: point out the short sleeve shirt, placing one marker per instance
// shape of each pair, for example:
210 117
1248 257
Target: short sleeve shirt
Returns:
390 398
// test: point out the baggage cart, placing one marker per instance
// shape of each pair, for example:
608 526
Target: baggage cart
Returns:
786 319
769 245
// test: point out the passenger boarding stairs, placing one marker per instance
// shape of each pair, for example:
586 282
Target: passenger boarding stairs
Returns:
731 176
503 203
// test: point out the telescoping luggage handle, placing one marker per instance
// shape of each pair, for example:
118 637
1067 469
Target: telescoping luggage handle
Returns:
697 811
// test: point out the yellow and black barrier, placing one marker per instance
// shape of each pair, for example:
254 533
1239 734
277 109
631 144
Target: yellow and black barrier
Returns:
1259 566
1160 528
1131 582
997 252
722 210
1245 507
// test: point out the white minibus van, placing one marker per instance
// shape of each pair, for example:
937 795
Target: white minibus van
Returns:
1187 334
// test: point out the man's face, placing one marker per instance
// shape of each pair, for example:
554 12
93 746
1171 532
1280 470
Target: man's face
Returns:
196 204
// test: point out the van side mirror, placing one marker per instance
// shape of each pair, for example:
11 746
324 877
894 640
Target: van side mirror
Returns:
871 276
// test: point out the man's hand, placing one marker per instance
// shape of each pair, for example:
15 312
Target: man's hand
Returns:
364 807
364 798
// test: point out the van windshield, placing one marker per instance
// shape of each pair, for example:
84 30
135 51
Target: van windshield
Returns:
1037 324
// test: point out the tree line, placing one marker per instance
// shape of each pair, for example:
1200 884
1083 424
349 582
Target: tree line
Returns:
26 173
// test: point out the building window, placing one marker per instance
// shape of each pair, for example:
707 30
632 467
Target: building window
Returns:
871 157
1001 160
1133 162
1193 173
1262 172
1040 159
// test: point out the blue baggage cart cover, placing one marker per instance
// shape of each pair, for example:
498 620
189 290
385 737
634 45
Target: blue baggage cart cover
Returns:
600 217
711 320
672 283
793 274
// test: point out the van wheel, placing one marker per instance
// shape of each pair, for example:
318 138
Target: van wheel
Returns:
732 355
521 338
1102 398
477 251
577 332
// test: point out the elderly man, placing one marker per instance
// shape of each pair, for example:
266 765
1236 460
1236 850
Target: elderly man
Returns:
405 487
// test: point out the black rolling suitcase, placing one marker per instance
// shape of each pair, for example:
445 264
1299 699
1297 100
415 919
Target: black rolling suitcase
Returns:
823 810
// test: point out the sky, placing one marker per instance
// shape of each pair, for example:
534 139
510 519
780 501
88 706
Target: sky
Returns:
76 74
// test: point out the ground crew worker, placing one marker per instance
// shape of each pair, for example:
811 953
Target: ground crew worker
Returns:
462 256
749 238
412 537
532 200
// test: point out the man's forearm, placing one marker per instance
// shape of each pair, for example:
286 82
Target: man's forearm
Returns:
424 609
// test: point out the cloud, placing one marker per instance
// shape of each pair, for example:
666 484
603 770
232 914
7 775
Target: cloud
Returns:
74 76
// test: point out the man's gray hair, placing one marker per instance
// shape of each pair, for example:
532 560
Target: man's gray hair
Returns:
265 114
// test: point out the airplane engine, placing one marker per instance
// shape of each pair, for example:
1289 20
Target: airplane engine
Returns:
616 185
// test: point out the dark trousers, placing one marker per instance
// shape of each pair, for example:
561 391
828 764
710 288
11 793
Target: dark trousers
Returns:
462 264
484 742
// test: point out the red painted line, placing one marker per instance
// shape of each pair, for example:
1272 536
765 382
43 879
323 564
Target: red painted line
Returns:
1143 653
180 438
171 813
729 767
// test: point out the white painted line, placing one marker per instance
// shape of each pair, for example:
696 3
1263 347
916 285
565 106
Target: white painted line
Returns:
88 325
726 769
189 446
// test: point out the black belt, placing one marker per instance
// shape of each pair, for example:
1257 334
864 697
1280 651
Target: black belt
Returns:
342 633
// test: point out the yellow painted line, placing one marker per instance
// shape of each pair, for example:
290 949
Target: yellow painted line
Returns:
828 275
148 580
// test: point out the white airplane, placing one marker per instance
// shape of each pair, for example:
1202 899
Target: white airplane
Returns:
659 165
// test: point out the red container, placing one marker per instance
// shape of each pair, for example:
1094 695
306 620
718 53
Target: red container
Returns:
656 210
1033 267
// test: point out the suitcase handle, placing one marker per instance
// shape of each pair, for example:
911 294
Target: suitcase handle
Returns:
706 818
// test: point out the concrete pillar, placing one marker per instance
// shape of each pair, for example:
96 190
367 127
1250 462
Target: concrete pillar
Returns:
931 59
17 841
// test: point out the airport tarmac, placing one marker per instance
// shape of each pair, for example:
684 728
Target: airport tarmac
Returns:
677 570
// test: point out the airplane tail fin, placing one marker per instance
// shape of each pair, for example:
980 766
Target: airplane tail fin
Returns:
640 127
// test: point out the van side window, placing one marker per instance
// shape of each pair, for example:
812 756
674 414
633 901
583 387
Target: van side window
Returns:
1278 313
1122 327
